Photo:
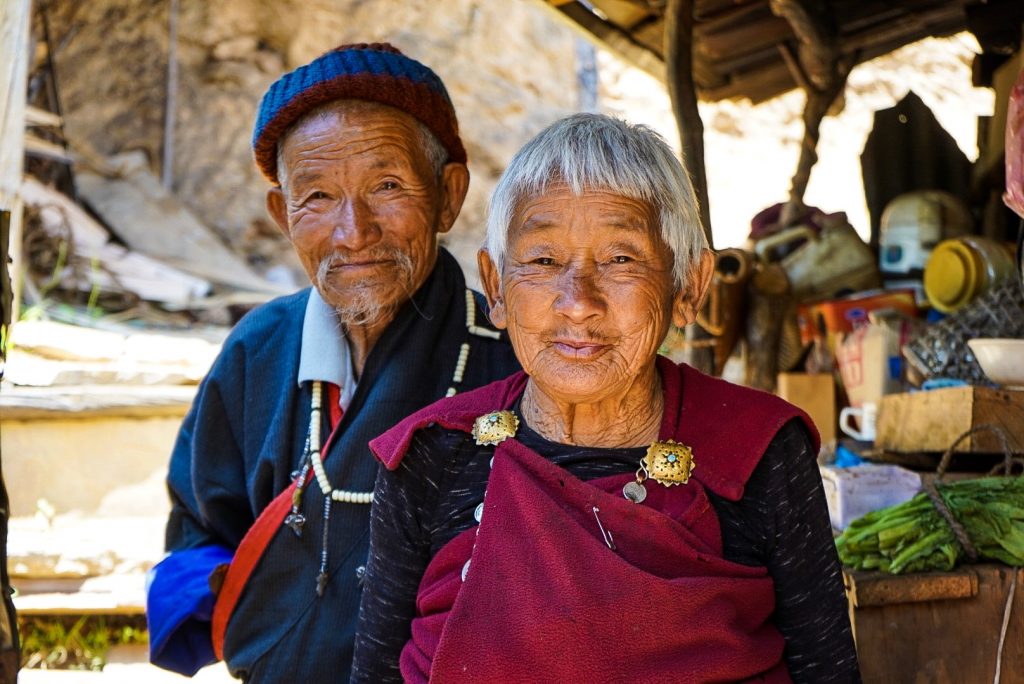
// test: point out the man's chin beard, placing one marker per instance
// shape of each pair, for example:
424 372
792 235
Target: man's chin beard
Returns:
371 301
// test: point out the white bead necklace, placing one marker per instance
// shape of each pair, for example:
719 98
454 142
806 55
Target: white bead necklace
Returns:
295 519
342 495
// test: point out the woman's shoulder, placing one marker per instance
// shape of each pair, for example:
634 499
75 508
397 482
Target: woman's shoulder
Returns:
455 413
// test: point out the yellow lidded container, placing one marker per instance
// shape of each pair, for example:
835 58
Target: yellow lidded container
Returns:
961 269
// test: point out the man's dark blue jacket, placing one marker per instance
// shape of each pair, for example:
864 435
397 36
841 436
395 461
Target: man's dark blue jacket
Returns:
238 448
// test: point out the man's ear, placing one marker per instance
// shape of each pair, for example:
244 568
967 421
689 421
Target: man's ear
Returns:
454 185
690 297
277 207
490 277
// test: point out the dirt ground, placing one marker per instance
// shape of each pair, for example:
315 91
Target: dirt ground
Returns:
126 665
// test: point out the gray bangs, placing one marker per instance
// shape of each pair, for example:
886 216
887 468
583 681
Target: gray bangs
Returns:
590 152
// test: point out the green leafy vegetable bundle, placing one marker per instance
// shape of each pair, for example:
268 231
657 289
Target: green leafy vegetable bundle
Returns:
914 537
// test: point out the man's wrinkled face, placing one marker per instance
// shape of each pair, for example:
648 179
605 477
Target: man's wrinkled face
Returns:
586 291
362 206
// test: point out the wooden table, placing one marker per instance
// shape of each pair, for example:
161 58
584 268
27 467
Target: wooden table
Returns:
937 627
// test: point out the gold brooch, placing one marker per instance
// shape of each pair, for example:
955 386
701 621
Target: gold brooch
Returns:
669 463
494 428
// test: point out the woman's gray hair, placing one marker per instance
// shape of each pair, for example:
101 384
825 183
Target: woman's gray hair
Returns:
598 152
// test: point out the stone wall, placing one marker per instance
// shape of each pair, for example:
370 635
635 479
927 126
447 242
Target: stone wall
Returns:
509 68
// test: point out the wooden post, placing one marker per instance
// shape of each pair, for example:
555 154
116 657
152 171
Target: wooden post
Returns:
820 70
14 36
683 92
171 105
15 16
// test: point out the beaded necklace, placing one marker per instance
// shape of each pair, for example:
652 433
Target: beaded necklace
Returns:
314 459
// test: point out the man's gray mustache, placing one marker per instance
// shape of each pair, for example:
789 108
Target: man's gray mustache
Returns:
338 259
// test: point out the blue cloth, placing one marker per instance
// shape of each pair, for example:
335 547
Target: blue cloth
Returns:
179 606
846 458
244 436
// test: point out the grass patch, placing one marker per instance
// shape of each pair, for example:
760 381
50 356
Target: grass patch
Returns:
76 642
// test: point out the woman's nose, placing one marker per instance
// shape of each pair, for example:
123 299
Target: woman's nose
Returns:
579 296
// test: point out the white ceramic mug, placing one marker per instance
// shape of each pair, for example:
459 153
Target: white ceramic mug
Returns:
866 414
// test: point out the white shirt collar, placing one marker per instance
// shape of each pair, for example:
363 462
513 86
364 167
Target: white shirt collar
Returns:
324 354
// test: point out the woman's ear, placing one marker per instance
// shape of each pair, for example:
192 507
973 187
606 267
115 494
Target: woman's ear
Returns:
490 277
690 297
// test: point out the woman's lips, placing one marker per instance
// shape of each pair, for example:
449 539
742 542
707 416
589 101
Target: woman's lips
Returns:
579 349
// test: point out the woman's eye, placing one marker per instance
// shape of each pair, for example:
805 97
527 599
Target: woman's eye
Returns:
387 186
621 259
318 195
543 261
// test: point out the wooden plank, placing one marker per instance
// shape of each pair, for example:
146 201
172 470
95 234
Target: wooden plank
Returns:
880 589
923 642
606 36
39 147
14 41
154 222
930 421
122 269
623 13
34 116
88 402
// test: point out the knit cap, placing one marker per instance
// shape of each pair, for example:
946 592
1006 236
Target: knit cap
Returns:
374 72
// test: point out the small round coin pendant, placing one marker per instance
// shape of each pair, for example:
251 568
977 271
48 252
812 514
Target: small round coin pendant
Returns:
634 491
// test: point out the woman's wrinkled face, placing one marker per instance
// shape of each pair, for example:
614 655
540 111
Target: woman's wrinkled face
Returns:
586 292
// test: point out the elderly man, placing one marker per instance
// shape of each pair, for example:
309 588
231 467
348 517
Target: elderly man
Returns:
271 478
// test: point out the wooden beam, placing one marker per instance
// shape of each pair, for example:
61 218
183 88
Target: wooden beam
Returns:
39 147
15 20
606 36
822 69
14 41
880 589
683 92
40 117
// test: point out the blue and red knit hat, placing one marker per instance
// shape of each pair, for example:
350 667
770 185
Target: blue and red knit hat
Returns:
374 72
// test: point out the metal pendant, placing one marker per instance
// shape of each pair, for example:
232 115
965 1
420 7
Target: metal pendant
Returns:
494 428
669 462
295 521
634 491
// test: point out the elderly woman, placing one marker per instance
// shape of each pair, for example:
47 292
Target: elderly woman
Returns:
606 515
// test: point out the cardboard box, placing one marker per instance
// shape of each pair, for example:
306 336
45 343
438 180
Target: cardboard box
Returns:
815 393
844 315
853 492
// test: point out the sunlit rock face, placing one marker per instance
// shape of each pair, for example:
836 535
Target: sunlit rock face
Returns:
510 70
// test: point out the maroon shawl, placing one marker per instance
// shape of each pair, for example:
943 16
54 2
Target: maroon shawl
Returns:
546 599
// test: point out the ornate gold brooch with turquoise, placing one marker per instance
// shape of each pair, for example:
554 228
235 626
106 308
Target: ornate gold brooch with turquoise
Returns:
494 428
668 463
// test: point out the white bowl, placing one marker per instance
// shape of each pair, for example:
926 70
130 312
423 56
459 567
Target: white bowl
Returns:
1002 359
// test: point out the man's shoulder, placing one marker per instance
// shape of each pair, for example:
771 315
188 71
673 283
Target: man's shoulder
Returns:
266 323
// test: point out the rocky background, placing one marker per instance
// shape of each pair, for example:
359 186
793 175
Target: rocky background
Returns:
511 69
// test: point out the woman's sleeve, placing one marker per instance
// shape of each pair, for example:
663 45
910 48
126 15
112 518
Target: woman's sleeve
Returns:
800 554
399 553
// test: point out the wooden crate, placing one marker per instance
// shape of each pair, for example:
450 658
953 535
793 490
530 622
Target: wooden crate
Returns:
936 628
930 421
